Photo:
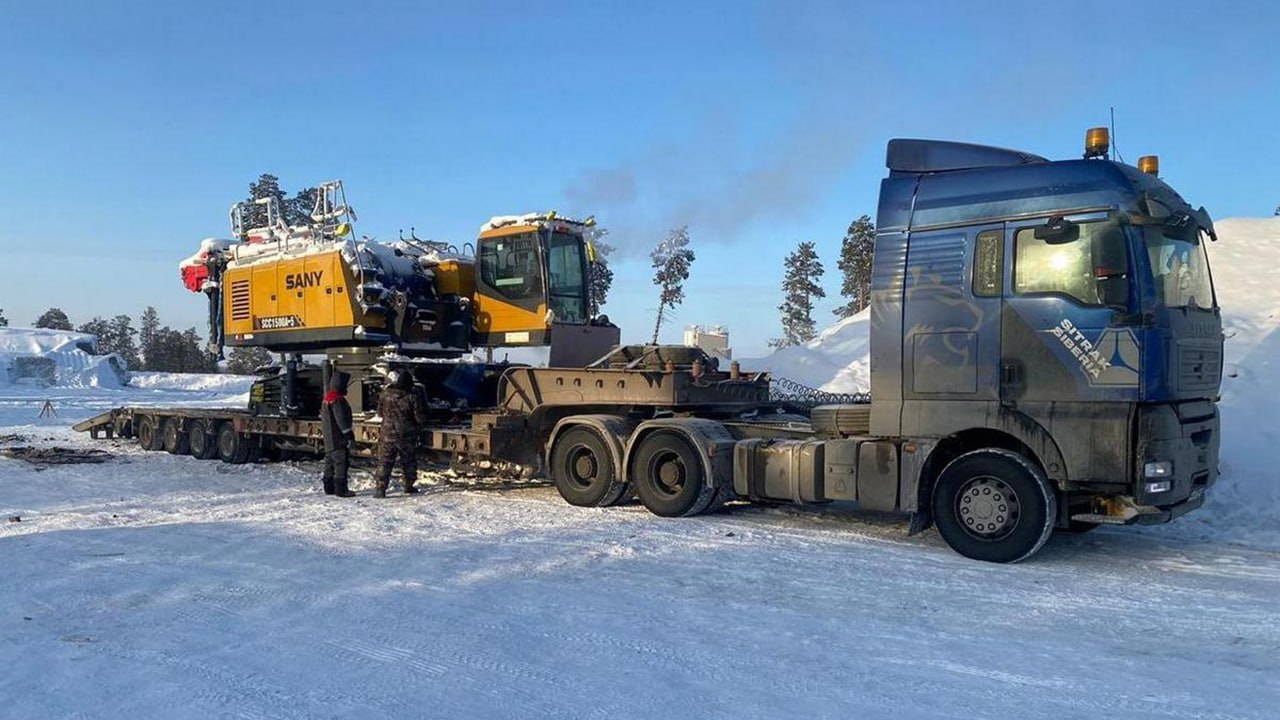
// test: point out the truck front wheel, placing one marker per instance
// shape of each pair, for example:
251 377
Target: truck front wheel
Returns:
994 505
669 477
583 469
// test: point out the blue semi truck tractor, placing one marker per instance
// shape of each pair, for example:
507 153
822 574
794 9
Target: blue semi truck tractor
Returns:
1046 353
1046 334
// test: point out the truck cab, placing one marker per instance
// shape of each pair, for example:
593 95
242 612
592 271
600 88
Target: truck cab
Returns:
1061 311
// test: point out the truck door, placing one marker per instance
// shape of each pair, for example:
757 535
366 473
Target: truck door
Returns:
1065 289
951 327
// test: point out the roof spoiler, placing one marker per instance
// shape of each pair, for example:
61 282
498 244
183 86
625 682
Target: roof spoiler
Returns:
929 156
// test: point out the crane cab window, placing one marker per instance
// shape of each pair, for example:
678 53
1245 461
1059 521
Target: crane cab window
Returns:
565 265
510 265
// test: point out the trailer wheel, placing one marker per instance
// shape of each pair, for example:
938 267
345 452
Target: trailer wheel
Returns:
994 505
202 437
173 437
149 436
233 447
583 469
669 476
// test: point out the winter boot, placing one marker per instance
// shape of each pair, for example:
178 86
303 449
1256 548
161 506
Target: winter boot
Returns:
341 490
409 489
380 489
328 485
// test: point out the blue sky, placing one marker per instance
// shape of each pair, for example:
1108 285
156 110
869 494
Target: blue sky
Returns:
128 128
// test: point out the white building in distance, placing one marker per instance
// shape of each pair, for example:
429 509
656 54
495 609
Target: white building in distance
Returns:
713 339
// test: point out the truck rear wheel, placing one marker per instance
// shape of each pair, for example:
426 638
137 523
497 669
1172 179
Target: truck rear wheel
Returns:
994 505
233 447
174 437
583 469
669 476
203 438
149 433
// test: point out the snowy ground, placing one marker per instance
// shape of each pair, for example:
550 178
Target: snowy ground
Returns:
154 586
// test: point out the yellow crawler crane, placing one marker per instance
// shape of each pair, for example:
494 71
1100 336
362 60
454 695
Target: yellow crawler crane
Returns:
313 288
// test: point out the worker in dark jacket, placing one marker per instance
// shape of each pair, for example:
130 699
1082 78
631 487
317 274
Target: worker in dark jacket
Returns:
335 421
403 408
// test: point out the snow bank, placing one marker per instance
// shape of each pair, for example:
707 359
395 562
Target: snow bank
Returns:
838 360
1245 504
31 356
202 382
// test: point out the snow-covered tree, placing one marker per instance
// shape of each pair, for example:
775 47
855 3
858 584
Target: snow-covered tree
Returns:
4 321
800 287
856 252
244 360
671 260
150 325
54 319
601 278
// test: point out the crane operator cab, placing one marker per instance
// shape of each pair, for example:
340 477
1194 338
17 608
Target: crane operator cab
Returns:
532 275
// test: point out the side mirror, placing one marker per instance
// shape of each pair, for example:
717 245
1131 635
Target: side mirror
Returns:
1110 258
1114 292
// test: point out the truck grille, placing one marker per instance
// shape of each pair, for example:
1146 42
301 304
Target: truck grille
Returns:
240 309
1199 368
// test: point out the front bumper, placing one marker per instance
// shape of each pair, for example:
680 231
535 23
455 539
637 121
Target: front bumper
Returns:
1187 434
1161 515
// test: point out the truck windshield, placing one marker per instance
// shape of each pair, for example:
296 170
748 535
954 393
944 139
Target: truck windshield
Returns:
1179 268
565 260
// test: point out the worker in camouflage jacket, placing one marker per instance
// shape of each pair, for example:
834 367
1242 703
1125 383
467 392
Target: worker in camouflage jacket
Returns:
335 422
403 408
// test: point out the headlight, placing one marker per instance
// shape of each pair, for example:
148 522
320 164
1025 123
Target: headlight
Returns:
1163 468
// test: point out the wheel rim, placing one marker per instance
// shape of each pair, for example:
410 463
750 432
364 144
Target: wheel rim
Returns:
988 508
667 473
582 467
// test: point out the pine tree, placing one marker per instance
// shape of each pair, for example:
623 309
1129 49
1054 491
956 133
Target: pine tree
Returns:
122 339
267 185
298 209
856 252
244 360
150 325
174 351
1278 211
54 319
671 260
800 287
601 278
4 321
100 329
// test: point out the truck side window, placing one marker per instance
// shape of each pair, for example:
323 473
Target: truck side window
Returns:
1092 267
988 262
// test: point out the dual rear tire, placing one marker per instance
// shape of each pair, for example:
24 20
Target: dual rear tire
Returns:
667 472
